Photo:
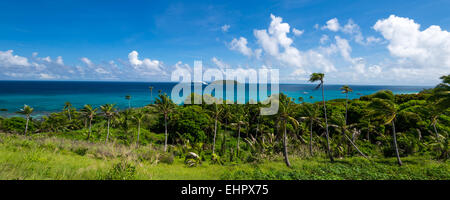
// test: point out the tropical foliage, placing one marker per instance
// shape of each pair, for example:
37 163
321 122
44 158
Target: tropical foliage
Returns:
376 126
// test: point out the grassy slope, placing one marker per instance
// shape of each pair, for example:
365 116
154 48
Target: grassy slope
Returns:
24 159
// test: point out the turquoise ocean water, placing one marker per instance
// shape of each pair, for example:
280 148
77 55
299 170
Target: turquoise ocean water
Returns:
50 96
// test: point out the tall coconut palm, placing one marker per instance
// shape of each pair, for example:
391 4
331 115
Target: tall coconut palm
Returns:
346 89
90 113
164 105
319 77
138 116
26 110
215 112
283 117
240 122
387 111
311 114
109 111
151 93
226 116
68 108
128 97
123 120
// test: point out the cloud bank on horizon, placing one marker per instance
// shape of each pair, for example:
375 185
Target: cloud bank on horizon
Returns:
401 52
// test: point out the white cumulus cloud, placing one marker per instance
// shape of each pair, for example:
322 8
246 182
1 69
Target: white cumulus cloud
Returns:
7 59
297 32
241 46
427 48
145 66
332 25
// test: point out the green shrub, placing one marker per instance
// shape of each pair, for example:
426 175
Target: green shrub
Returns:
166 158
120 171
80 150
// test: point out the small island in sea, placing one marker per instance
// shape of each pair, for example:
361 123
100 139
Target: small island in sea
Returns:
225 82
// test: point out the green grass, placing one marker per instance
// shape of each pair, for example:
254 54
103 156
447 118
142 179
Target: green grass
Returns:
63 159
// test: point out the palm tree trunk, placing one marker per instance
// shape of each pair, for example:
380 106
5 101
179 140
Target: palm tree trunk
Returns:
257 129
90 129
215 133
239 137
139 132
326 126
346 104
285 152
70 117
129 104
354 145
107 135
395 144
310 138
26 125
224 139
166 134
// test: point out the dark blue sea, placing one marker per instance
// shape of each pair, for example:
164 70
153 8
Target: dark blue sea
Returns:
50 96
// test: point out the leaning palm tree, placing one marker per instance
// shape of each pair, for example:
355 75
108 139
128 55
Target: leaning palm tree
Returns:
128 97
108 110
164 105
283 117
319 77
67 108
90 113
346 89
387 111
27 110
342 127
138 116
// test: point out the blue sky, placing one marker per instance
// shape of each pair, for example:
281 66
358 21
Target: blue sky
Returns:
353 42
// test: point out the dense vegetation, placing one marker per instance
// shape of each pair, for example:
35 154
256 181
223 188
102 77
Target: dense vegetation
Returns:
360 138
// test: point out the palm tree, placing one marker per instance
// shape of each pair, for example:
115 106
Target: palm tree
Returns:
27 110
123 120
215 113
151 93
138 116
339 123
284 116
226 116
346 89
239 124
90 113
319 77
109 111
387 111
128 97
435 114
367 125
311 113
165 106
68 107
